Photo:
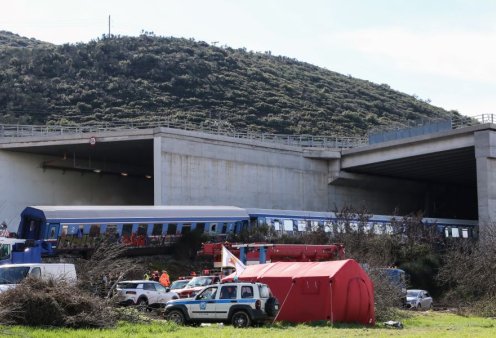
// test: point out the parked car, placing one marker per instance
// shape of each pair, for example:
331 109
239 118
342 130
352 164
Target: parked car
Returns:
196 284
144 293
179 284
241 304
418 299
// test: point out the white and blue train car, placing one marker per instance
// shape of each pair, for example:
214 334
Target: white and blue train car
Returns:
81 226
50 223
295 222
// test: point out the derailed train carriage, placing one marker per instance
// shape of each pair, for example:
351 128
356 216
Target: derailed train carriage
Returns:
81 227
69 228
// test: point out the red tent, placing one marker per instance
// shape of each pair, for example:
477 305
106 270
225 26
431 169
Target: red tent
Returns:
338 291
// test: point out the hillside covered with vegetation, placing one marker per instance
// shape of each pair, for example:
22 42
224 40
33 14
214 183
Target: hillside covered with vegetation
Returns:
144 78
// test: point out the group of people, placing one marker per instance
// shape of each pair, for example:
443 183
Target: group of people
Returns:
163 278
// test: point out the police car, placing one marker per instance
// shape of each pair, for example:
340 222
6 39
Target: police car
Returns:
241 304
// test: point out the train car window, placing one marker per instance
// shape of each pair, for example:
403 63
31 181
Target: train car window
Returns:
142 229
377 228
73 229
157 230
388 229
288 225
295 226
127 229
200 227
302 225
314 225
455 232
186 229
212 228
277 226
65 230
327 226
53 231
171 230
95 230
447 232
340 226
111 230
224 228
465 233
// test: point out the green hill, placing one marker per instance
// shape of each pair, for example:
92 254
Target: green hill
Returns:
8 39
146 77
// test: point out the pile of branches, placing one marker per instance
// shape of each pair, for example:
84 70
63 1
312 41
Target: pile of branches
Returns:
37 302
85 304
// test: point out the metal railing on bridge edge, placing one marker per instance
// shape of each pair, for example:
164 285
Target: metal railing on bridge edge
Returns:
222 128
14 131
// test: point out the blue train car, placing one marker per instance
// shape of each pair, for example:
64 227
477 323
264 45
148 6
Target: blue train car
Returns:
297 222
81 226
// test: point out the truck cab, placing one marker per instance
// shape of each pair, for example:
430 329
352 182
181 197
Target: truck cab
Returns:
15 251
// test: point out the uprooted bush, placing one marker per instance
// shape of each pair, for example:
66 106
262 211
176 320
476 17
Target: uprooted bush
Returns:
387 296
36 302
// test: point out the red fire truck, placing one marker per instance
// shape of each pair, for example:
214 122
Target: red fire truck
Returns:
256 253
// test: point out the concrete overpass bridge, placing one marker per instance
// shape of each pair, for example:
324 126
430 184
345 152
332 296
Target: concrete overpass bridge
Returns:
447 174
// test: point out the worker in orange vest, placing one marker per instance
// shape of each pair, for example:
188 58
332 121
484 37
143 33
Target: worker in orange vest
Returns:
164 279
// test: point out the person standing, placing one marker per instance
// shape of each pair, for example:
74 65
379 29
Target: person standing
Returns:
164 279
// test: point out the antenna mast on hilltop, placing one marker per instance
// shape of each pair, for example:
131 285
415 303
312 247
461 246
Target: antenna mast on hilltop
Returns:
109 27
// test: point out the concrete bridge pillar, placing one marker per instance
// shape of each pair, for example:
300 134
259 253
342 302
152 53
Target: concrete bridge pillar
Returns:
485 156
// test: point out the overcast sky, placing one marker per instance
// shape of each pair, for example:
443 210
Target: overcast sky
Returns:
442 50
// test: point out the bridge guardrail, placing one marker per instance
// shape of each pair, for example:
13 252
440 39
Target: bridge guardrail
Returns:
16 130
217 127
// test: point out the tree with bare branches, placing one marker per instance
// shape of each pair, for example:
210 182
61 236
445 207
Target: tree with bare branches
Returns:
468 274
106 266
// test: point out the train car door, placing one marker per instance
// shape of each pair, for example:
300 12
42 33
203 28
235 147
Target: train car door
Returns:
31 228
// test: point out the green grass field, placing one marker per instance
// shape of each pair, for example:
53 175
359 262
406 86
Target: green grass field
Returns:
422 324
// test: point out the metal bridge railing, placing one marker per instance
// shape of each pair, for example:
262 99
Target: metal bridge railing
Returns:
216 128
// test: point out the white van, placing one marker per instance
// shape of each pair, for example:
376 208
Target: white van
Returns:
12 274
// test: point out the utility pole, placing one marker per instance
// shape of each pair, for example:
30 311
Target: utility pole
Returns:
109 27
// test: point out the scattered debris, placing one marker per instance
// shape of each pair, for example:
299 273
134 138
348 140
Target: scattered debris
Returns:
393 324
